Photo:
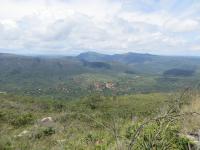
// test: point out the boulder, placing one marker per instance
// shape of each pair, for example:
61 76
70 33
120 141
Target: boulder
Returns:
61 141
23 133
47 120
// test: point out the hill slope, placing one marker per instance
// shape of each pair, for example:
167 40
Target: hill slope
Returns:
89 72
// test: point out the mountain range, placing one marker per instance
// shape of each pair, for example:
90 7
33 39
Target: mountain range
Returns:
78 73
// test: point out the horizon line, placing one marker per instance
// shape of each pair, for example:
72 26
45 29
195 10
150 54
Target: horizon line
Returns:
77 54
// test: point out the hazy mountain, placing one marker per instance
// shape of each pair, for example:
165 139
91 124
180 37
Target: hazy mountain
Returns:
78 73
93 56
124 58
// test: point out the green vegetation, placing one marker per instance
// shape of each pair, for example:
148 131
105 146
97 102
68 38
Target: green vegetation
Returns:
95 101
179 72
69 77
93 122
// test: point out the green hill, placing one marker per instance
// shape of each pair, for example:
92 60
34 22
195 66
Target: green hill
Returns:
80 75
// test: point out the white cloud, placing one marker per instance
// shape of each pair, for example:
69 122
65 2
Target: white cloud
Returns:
182 25
74 25
196 48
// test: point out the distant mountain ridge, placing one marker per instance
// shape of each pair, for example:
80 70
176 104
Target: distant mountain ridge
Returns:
125 58
79 73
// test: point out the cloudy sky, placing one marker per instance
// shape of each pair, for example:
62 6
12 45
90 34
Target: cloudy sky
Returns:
169 27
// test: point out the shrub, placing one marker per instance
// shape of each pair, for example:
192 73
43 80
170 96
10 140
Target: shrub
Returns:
22 120
94 101
2 116
41 132
5 143
183 142
96 141
59 107
49 131
90 139
163 134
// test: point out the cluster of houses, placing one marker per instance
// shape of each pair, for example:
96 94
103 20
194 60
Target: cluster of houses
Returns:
103 85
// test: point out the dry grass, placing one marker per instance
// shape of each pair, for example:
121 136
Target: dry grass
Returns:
191 123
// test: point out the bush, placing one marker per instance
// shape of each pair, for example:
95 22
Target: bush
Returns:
90 139
2 116
22 120
43 132
59 107
49 131
183 142
5 143
95 141
94 101
158 135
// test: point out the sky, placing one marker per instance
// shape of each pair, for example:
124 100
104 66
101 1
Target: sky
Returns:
165 27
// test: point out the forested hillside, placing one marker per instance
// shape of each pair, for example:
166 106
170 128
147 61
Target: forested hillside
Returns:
66 77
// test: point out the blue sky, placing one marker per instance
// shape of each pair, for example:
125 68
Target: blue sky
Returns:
167 27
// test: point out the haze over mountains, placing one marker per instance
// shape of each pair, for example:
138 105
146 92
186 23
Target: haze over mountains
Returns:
30 73
93 60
